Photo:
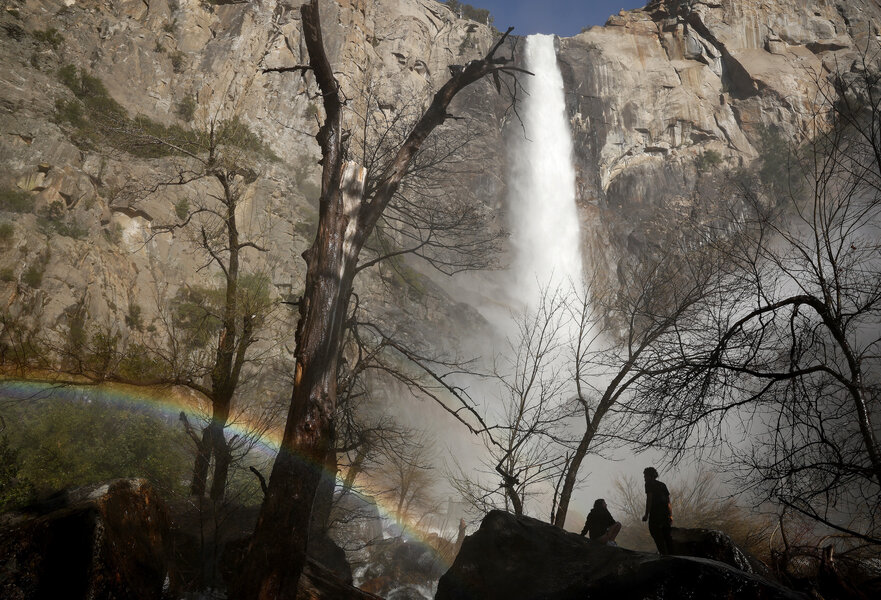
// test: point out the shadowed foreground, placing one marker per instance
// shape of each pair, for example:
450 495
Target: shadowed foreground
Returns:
519 558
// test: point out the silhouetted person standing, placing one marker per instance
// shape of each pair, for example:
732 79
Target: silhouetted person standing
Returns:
600 525
657 511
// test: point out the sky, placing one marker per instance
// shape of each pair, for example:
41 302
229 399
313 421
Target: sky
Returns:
562 17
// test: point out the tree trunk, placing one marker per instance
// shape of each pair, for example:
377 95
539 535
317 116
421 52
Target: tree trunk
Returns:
222 459
203 462
616 387
572 476
276 554
323 503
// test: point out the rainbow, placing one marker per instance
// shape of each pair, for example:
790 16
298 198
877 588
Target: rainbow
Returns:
168 402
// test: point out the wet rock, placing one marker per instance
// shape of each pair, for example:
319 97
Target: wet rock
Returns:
707 77
398 564
519 558
317 583
101 542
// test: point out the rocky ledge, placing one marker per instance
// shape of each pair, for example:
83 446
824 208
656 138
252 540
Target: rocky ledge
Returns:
519 558
114 541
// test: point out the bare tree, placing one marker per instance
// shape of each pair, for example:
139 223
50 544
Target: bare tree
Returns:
349 211
525 453
408 479
214 169
793 359
628 336
576 362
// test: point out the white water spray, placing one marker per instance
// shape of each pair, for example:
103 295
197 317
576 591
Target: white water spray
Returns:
544 220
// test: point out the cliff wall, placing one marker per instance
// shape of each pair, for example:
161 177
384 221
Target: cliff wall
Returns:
656 90
84 217
651 96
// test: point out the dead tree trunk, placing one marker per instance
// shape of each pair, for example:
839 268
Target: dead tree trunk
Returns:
276 555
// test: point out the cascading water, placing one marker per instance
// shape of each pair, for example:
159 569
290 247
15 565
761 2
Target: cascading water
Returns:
544 223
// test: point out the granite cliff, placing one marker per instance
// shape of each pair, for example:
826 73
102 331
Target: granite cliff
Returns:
658 98
663 96
83 217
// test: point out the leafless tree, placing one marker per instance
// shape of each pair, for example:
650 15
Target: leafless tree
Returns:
525 455
627 336
212 169
574 365
792 361
350 208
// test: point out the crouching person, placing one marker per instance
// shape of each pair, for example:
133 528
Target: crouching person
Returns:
600 525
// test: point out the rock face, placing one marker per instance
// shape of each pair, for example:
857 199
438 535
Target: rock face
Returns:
649 94
83 241
656 89
99 543
519 558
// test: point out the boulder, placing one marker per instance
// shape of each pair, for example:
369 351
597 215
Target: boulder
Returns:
709 543
519 558
100 542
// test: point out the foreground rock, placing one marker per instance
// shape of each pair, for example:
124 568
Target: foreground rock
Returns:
515 558
708 543
100 542
116 541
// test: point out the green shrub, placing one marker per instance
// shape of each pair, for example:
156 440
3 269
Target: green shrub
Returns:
69 111
14 30
233 132
182 209
55 211
15 491
7 274
13 200
140 364
91 91
102 352
708 160
186 109
69 76
98 119
177 62
75 442
133 319
778 163
7 230
49 36
194 316
481 15
33 275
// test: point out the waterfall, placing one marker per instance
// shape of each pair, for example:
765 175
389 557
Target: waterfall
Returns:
541 197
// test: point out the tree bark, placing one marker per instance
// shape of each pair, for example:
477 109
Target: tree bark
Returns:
323 503
276 554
